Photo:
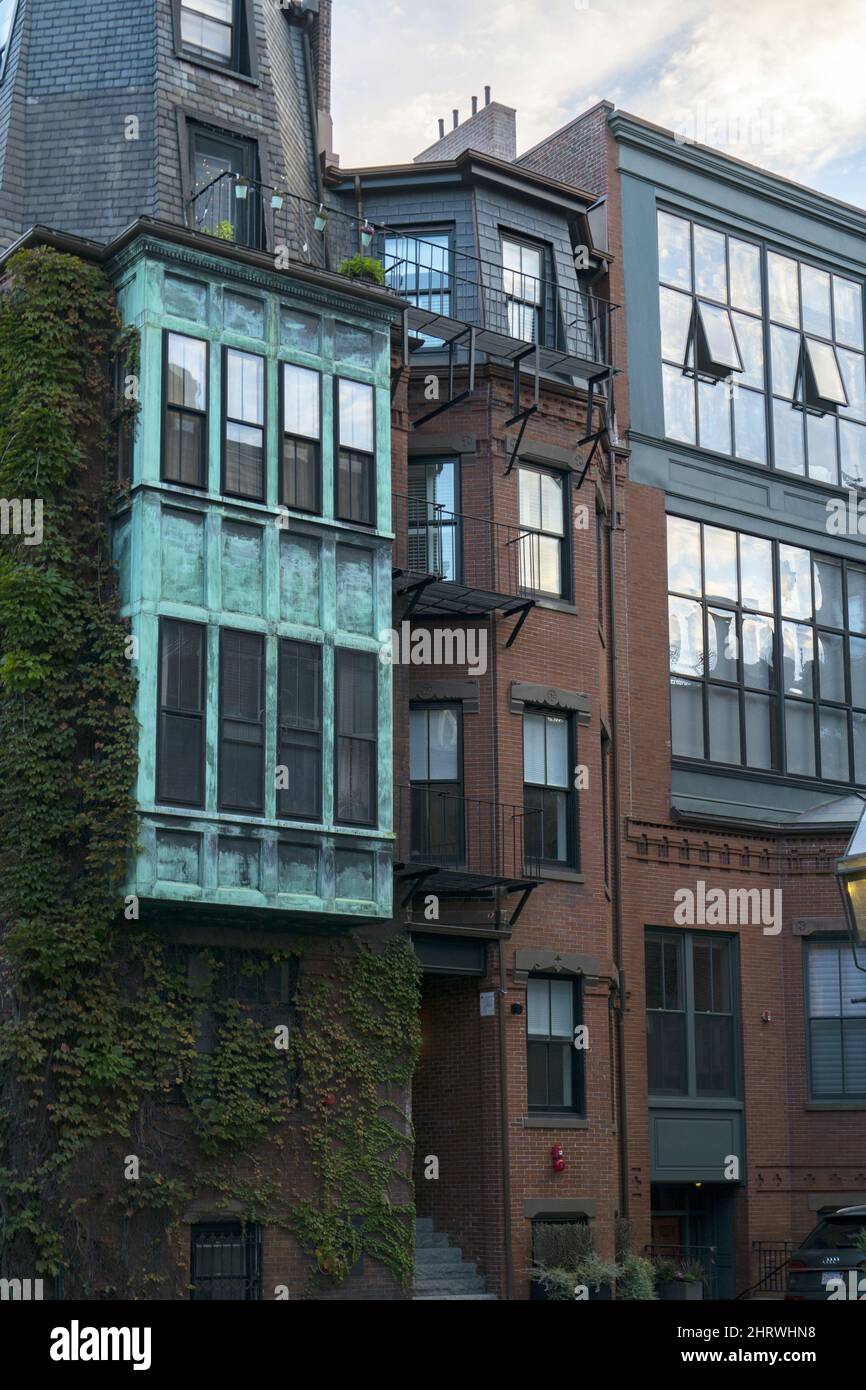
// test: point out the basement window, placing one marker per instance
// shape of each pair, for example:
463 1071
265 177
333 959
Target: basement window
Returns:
225 1262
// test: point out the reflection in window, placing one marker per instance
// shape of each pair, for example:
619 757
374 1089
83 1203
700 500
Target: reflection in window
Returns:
542 525
766 673
836 1024
418 269
547 790
434 527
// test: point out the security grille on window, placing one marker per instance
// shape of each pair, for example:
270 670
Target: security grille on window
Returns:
522 283
356 751
553 1061
356 462
225 1263
691 1044
241 721
542 525
244 421
300 475
836 1023
184 448
546 791
434 530
299 734
767 672
181 739
436 775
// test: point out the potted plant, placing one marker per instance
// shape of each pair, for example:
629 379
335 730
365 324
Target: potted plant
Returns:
679 1282
566 1264
367 268
637 1282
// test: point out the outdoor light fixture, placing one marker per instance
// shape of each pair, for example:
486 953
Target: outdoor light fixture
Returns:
851 873
241 188
321 219
367 233
276 200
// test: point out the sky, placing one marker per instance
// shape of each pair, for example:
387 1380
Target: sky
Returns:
779 83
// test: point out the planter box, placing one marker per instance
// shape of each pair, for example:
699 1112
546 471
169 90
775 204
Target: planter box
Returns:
680 1291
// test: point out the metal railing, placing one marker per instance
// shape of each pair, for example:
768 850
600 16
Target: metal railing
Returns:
475 552
437 825
770 1262
436 279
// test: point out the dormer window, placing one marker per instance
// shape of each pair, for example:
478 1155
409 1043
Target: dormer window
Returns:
214 32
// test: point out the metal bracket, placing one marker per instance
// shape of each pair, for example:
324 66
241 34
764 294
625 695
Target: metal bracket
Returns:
527 894
522 415
595 436
415 880
523 610
452 399
416 589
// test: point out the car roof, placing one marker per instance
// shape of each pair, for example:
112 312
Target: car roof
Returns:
846 1211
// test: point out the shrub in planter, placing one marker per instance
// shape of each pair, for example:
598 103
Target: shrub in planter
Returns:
565 1261
679 1283
360 267
637 1280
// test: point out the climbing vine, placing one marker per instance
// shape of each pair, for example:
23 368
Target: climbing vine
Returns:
101 1025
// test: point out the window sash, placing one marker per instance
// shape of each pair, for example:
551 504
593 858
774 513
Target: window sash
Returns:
185 410
181 698
356 477
210 29
299 730
554 1065
690 1052
242 713
244 425
356 741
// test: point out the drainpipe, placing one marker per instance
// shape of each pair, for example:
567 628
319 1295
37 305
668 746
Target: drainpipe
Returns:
504 1144
616 877
313 103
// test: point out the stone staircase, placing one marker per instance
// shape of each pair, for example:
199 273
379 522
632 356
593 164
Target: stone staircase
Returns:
440 1269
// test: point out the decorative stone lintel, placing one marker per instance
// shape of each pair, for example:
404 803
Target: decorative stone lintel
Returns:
466 691
529 962
522 693
820 926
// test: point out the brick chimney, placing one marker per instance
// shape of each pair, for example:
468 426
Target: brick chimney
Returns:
491 130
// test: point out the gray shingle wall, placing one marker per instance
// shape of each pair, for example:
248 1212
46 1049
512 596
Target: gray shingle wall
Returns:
77 73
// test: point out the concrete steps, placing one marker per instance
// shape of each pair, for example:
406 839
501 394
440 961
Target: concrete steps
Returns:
441 1273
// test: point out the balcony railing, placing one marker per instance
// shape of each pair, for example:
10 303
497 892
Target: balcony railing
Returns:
449 291
476 845
466 550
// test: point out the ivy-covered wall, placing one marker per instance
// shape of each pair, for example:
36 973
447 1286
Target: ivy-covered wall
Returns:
143 1078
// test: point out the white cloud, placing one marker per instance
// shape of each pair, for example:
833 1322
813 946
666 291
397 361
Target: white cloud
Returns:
777 82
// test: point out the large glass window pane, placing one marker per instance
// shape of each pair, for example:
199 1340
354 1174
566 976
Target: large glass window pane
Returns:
419 749
245 388
723 718
720 344
756 570
833 726
852 449
538 1007
533 748
686 636
714 417
711 276
821 357
300 401
679 398
821 444
561 1009
745 266
444 745
784 292
666 1053
784 360
858 671
723 646
788 438
684 557
750 340
859 731
530 498
750 426
557 752
760 712
758 666
551 503
831 666
714 1055
676 314
687 719
828 592
187 372
799 738
848 310
674 255
851 367
720 563
856 578
816 300
799 659
356 415
795 574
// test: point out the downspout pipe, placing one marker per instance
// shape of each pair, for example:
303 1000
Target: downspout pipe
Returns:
313 104
505 1146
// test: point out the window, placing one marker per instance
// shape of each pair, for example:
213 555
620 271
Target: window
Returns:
214 31
713 326
522 282
554 1064
836 1024
241 721
691 1043
243 424
181 738
436 775
217 162
8 9
225 1262
299 733
356 750
184 443
300 475
767 654
435 542
542 526
418 268
356 462
547 798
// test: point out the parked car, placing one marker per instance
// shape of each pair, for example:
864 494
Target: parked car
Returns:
835 1248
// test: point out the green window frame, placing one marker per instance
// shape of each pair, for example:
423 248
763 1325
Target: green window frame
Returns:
692 1015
